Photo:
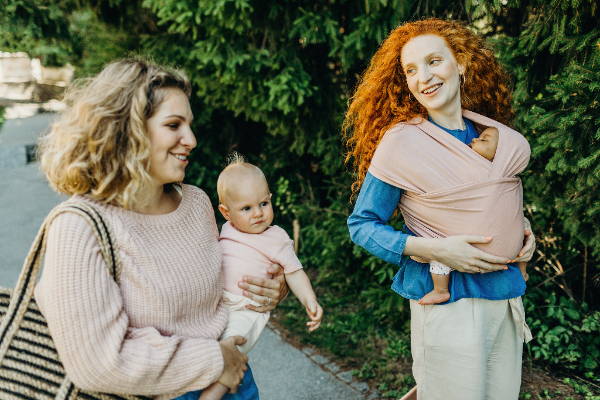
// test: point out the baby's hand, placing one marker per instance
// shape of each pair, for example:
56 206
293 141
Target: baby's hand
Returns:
315 313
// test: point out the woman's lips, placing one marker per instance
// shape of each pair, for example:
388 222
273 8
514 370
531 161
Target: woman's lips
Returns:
431 90
183 158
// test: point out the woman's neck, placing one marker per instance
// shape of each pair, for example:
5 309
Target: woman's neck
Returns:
159 201
449 120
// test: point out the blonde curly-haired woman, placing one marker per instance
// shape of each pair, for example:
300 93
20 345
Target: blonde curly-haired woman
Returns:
123 146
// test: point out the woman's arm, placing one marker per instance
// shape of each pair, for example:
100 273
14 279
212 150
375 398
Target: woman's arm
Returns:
369 228
100 351
456 252
369 222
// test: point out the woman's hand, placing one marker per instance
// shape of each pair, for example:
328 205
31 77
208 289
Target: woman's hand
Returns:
264 291
456 252
529 244
234 362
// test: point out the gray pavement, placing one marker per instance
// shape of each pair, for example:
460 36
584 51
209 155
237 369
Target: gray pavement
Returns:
18 137
282 372
25 199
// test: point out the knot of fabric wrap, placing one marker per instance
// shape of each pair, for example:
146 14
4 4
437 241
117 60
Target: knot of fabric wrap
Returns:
518 314
452 190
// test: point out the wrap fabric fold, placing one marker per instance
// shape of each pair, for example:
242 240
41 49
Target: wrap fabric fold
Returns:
518 314
452 190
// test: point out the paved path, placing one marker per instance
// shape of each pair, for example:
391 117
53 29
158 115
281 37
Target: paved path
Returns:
18 137
25 199
282 372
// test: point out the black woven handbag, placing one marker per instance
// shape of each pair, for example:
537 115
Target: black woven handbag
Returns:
30 368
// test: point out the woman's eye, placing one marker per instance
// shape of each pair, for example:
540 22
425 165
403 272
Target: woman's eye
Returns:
173 126
410 71
435 61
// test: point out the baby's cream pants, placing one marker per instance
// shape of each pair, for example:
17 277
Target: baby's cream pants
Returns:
243 322
468 350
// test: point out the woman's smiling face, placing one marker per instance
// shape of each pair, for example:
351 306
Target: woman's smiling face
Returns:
171 137
432 73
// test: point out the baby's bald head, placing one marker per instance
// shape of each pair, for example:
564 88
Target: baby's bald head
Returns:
237 174
244 197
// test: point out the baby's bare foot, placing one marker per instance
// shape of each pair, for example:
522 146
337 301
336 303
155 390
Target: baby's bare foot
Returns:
435 297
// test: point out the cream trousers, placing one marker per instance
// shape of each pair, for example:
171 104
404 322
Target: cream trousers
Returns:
468 350
243 322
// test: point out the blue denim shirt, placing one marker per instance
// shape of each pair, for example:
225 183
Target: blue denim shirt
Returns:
369 228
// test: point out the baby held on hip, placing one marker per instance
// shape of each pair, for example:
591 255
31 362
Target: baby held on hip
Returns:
250 246
485 145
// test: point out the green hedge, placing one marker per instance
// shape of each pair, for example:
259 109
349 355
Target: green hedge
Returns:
272 80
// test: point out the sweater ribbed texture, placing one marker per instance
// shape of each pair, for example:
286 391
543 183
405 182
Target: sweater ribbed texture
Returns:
156 333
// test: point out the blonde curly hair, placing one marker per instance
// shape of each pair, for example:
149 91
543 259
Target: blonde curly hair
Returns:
99 146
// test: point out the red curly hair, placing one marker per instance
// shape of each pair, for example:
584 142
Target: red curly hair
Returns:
382 98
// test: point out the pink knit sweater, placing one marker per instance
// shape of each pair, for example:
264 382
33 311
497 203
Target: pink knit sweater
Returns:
156 332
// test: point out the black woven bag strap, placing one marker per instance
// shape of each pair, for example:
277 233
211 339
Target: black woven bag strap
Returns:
23 292
105 238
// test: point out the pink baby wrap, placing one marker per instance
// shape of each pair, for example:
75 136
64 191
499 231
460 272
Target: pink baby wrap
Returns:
452 190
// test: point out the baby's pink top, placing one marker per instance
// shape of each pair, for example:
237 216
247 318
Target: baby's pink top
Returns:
252 253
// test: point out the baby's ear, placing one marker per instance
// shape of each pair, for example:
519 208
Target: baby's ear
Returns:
224 211
270 195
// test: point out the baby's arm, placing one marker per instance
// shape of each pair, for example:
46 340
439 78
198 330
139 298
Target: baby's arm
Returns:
300 284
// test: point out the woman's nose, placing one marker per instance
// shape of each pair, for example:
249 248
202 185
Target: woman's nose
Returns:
188 139
424 74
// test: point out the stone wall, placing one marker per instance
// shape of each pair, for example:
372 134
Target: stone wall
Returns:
16 78
27 87
23 79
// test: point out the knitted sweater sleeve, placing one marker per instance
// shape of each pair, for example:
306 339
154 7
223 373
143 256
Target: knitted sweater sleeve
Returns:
84 309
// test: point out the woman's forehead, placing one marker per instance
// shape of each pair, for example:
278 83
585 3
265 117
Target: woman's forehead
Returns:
174 101
423 46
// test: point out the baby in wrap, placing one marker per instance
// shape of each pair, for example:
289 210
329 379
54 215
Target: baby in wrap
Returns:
250 245
485 145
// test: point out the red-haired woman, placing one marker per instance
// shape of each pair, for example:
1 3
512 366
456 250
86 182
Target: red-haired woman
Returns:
408 129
